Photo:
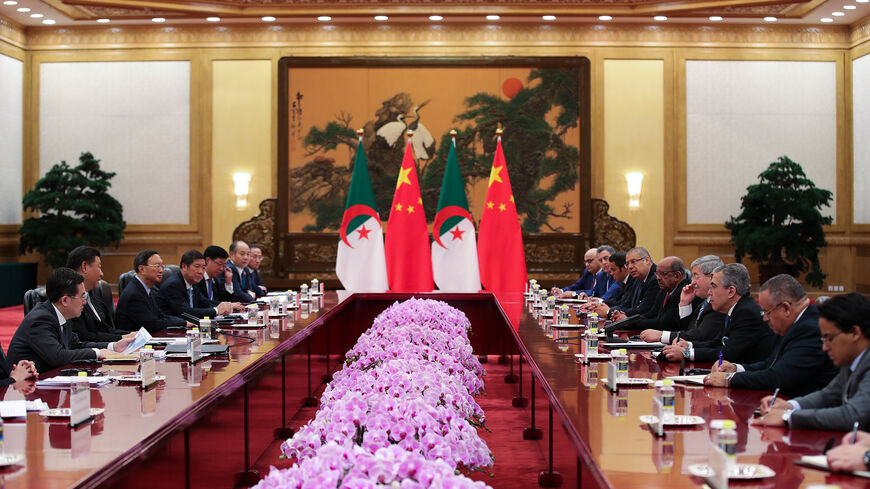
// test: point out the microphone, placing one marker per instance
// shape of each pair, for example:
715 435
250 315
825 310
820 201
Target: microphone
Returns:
190 318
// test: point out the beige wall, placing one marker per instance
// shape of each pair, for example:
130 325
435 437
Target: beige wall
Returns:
638 112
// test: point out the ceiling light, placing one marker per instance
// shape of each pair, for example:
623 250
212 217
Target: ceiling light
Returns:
36 16
660 18
23 9
158 19
268 18
715 18
436 17
837 14
324 18
381 17
10 2
103 21
212 19
492 17
849 7
48 21
827 19
770 19
605 17
548 17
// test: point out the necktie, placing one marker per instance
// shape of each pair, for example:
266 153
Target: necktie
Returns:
727 318
243 279
700 312
210 286
190 295
63 339
94 309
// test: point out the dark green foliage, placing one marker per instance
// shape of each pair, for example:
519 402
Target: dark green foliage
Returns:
74 209
781 221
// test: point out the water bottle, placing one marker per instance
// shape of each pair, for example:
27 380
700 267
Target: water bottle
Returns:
315 285
551 305
593 320
192 336
726 439
592 342
205 328
565 314
621 358
666 396
303 292
252 314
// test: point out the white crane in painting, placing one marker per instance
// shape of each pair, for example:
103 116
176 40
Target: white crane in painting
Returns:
392 131
422 137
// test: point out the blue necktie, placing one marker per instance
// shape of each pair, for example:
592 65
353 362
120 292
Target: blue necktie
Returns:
243 278
190 296
209 285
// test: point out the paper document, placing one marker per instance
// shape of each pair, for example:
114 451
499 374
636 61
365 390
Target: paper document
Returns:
13 409
689 379
142 337
634 344
63 381
821 462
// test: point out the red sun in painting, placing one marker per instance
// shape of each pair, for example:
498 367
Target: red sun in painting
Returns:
511 87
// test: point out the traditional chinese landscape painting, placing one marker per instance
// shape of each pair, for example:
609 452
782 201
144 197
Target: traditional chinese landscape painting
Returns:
541 104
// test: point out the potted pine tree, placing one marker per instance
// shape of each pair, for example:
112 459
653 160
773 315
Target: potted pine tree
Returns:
74 208
781 225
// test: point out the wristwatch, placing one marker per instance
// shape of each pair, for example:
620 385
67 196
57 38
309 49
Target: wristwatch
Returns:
786 417
728 378
867 459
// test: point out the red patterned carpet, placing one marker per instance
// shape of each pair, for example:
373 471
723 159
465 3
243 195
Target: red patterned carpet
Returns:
10 318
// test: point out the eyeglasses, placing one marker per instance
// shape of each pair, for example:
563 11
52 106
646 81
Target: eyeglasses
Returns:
159 266
767 312
83 297
632 262
662 273
827 338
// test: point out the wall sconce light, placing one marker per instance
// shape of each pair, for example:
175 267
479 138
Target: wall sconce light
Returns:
242 182
634 180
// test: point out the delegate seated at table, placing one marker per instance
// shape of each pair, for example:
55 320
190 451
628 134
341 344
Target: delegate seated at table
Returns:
844 321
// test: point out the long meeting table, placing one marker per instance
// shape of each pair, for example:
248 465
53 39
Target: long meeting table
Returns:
207 424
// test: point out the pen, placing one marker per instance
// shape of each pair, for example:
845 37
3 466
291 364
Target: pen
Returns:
720 358
773 398
854 434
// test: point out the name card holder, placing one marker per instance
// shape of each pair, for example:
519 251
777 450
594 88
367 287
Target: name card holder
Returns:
80 403
611 376
148 371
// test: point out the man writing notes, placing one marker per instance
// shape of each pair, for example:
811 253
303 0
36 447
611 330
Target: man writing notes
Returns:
745 339
179 293
46 338
797 365
844 322
95 323
136 306
698 321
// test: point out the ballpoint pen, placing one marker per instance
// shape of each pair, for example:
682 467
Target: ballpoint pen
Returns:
720 358
773 397
854 434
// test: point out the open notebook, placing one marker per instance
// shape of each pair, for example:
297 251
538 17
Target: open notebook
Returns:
689 379
821 462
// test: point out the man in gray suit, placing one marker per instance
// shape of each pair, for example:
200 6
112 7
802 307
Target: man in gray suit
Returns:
844 321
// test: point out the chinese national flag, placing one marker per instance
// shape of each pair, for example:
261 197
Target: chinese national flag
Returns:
500 239
409 261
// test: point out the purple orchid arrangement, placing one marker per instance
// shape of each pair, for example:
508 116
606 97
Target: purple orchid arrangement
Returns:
401 413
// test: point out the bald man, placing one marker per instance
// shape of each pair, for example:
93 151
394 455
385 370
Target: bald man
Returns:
587 281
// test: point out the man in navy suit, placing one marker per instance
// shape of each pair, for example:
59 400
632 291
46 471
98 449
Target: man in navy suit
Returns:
698 321
745 339
240 256
671 278
640 295
136 306
179 292
46 338
254 270
844 322
797 365
587 280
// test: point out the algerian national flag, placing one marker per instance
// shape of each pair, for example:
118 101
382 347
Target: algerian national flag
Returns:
360 263
454 250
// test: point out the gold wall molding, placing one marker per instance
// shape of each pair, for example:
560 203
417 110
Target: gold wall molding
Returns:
418 36
860 32
12 33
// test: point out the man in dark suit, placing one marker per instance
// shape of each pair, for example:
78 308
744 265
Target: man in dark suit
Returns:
95 322
587 280
698 321
797 365
671 277
240 255
254 270
46 338
745 339
844 322
179 292
137 306
21 371
640 295
217 283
